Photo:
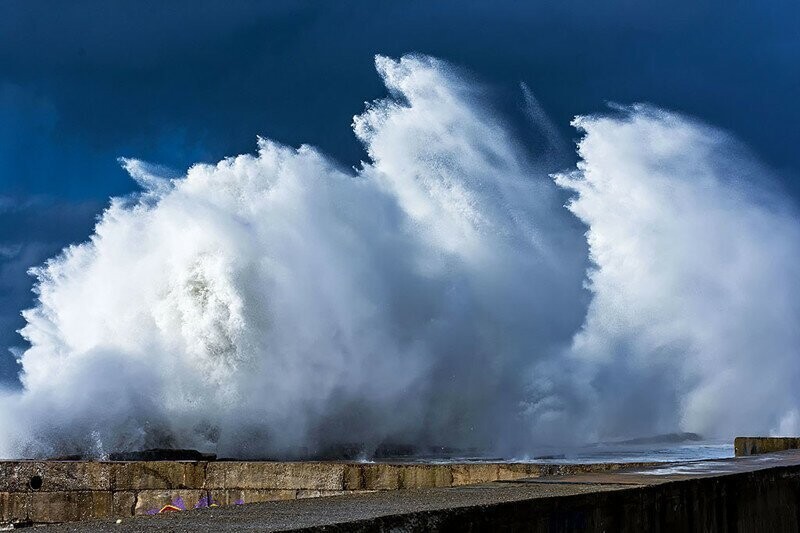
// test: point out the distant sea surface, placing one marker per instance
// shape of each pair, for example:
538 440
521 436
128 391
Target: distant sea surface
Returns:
604 453
645 453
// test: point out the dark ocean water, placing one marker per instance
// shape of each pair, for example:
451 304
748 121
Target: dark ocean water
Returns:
646 453
601 453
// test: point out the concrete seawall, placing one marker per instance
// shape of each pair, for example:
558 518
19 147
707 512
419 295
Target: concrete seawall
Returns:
733 495
52 492
46 492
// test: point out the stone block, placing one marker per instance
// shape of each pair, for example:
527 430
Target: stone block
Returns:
507 472
55 507
83 475
13 507
380 476
425 476
54 476
231 496
353 476
474 473
124 504
275 475
148 501
15 475
158 475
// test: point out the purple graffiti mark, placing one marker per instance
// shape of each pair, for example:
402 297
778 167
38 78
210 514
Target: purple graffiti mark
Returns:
179 503
239 502
202 503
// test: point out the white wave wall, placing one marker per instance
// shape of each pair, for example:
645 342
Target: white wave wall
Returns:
695 310
277 304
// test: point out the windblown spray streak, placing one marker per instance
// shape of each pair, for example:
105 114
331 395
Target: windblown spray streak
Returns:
277 304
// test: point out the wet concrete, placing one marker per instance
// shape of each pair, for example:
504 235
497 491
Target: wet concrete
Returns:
757 493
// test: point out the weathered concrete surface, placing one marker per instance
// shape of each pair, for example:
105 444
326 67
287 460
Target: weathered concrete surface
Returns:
16 476
54 507
275 475
62 491
757 445
742 495
157 475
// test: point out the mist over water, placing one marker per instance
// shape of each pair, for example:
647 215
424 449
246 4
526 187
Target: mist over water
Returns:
440 294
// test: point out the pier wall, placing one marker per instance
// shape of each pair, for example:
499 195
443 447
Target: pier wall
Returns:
41 492
737 495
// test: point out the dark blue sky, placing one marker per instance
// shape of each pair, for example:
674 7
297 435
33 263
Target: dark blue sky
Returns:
175 82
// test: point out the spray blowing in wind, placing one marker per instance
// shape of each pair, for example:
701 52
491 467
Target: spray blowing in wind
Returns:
278 304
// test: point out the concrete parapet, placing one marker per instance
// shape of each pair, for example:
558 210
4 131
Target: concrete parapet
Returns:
757 445
731 495
63 491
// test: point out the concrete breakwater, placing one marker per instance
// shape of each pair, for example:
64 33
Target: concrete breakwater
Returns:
49 492
42 492
741 495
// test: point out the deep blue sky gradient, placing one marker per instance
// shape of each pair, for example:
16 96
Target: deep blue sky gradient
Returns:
175 82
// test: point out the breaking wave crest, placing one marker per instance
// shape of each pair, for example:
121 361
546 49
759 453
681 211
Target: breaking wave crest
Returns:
279 304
